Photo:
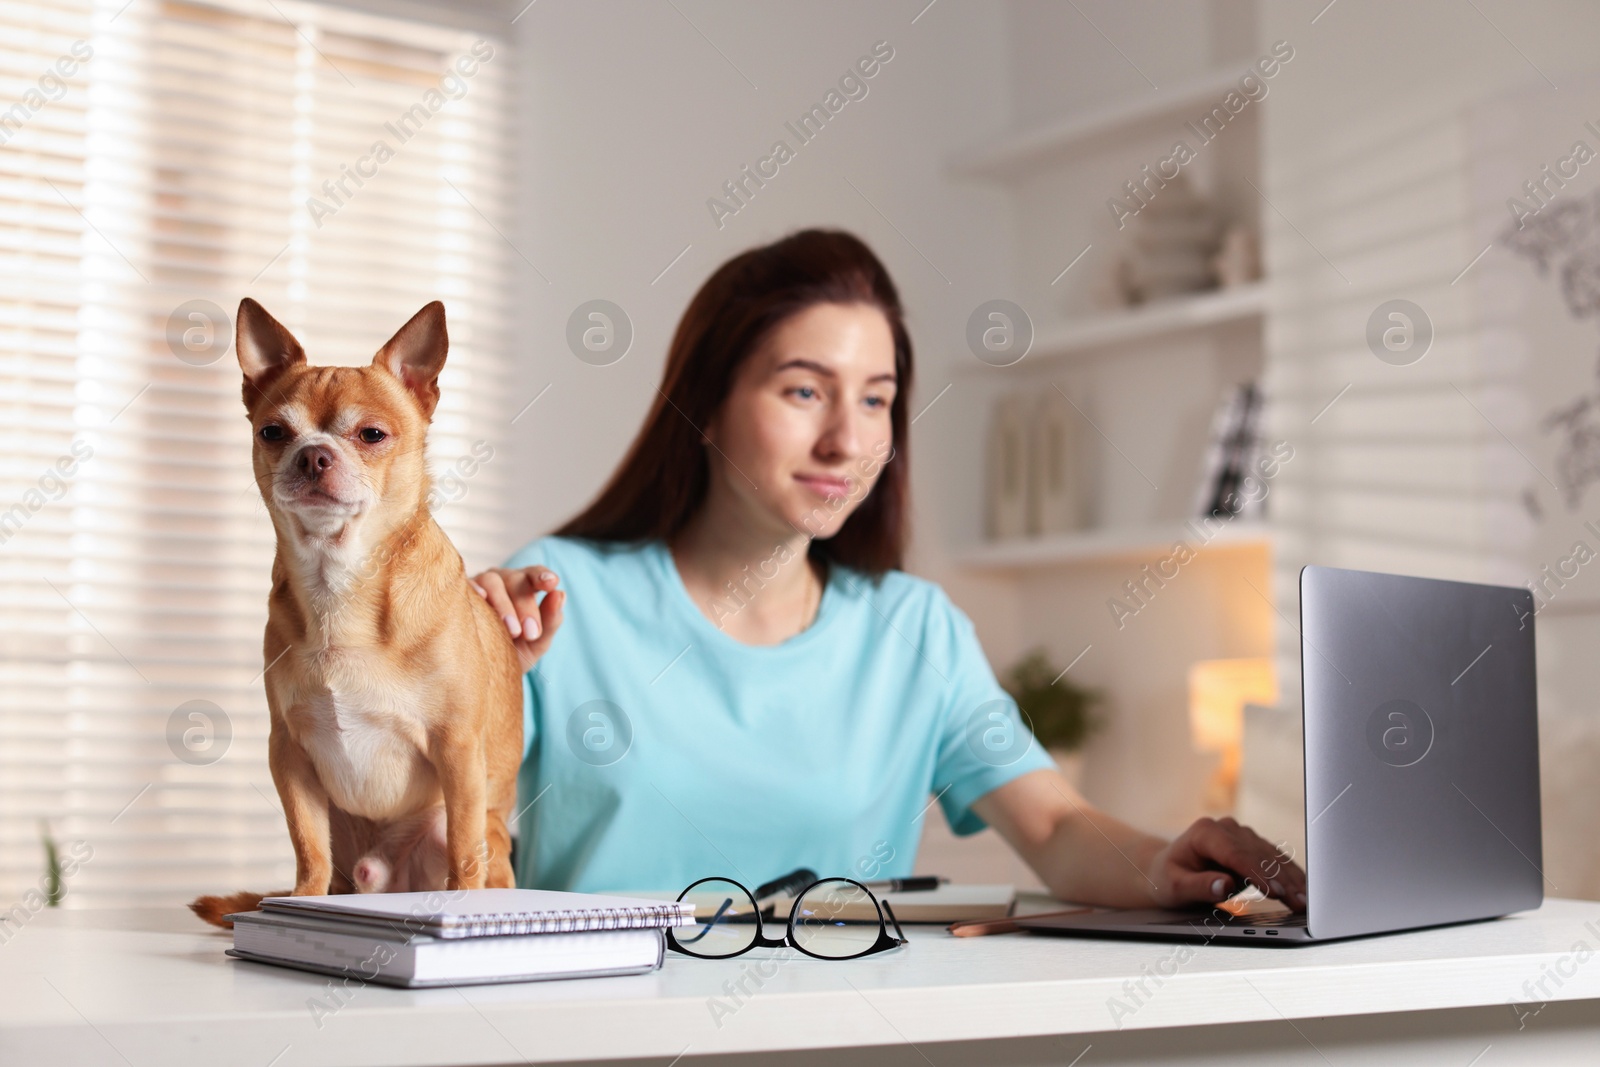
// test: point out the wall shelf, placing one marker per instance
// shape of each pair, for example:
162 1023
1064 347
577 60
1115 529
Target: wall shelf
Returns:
1173 315
1011 156
1089 547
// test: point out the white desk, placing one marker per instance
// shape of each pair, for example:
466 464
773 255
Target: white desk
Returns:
153 988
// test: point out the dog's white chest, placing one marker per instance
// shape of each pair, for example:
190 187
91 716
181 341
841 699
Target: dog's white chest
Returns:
370 754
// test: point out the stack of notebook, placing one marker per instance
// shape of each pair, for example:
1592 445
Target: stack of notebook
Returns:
459 937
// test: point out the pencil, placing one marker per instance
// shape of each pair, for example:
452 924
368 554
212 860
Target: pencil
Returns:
980 927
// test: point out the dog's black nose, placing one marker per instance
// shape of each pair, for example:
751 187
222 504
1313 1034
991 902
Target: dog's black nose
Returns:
313 460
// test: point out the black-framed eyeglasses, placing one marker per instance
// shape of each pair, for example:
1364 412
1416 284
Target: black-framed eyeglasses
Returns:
829 919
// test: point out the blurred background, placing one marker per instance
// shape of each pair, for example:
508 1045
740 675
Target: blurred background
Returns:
1201 291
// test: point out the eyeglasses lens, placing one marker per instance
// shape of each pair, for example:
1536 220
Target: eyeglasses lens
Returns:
726 919
836 918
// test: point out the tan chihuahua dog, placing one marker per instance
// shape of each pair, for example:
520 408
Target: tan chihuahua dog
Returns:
396 703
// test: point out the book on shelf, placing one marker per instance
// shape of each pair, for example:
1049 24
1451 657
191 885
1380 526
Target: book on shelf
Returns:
1230 459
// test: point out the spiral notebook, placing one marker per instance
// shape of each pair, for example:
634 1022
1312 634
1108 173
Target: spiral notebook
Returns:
489 912
369 952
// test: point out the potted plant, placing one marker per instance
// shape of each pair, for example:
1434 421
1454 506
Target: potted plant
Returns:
1059 712
52 866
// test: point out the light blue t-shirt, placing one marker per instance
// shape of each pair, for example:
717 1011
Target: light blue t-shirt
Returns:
660 750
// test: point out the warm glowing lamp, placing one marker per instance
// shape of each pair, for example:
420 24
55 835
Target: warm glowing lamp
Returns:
1218 691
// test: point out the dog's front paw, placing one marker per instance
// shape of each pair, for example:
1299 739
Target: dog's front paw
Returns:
474 877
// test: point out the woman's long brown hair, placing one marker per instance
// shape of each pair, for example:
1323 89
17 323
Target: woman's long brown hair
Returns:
665 475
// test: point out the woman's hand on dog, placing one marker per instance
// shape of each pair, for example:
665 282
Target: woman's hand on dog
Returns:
529 602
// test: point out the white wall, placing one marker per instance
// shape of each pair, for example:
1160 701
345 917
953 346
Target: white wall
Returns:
1068 57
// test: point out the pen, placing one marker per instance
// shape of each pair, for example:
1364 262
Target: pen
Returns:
908 885
798 879
787 885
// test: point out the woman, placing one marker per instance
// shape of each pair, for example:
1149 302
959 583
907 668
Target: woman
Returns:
748 682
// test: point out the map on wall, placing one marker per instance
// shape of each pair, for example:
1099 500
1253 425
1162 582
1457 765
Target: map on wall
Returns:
1534 179
1562 243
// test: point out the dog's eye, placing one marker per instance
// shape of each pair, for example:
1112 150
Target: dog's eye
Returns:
372 435
273 432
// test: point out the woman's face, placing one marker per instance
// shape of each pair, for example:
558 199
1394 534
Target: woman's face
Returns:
805 431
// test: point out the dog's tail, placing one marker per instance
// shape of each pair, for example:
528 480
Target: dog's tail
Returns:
212 909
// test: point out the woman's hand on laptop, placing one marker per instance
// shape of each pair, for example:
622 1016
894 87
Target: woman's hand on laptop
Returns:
529 602
1086 856
1187 870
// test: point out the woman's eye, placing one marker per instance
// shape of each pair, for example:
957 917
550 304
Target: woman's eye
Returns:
273 432
804 392
372 435
877 402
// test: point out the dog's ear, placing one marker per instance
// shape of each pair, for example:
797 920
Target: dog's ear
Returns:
264 345
415 355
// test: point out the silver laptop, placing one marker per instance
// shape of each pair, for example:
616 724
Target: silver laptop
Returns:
1421 766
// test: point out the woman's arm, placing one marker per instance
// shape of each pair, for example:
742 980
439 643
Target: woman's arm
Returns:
1085 856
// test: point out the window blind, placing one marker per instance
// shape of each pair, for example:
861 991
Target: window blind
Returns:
343 169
